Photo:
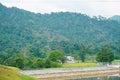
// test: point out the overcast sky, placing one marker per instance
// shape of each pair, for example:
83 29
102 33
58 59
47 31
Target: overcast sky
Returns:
104 8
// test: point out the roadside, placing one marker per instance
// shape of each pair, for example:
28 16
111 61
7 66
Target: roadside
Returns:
69 72
60 76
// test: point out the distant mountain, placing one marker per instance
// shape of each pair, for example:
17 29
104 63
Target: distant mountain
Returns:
19 28
116 18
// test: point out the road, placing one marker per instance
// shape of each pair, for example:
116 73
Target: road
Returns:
64 70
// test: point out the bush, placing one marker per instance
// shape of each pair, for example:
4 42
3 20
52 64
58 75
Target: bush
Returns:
55 64
51 64
38 63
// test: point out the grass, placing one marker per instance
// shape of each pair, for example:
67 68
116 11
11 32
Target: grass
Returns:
81 64
11 73
23 77
87 63
116 61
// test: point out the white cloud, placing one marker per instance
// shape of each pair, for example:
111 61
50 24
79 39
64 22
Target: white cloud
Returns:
91 7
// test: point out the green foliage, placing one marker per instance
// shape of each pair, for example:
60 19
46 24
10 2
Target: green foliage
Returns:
55 31
16 61
56 56
38 63
82 53
117 56
105 55
27 63
48 63
1 61
55 64
9 62
19 63
34 35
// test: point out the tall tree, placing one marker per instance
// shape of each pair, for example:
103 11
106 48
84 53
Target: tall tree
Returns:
82 53
105 55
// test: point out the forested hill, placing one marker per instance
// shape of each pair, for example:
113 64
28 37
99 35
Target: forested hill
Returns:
20 28
115 17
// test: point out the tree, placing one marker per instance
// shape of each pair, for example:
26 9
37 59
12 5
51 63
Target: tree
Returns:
38 63
16 60
27 62
105 55
19 63
56 56
82 53
48 63
10 62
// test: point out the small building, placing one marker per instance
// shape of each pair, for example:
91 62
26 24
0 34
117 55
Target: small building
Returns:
70 59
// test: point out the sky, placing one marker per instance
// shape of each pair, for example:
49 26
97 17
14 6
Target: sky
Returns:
105 8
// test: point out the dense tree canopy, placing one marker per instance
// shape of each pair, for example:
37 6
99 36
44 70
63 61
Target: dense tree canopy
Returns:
35 35
105 54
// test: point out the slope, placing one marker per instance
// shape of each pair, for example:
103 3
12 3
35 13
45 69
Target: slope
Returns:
9 73
19 28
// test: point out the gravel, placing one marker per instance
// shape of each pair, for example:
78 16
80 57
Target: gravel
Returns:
63 70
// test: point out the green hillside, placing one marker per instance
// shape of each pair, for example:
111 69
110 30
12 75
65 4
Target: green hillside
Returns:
9 73
28 34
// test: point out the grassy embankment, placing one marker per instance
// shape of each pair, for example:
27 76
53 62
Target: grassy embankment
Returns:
83 64
79 64
11 73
